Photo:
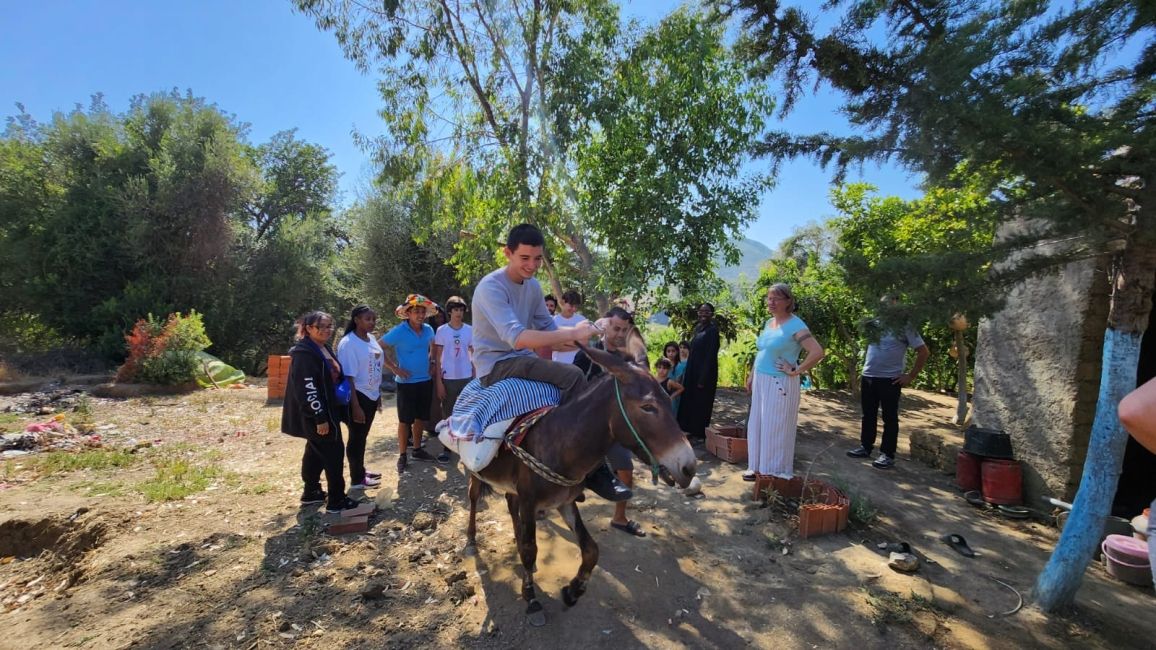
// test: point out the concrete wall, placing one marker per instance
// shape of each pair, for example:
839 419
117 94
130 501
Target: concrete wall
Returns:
1037 374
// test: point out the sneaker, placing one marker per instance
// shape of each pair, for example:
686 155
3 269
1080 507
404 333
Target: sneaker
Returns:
402 461
859 452
421 454
346 504
313 497
369 474
443 457
371 481
884 462
605 484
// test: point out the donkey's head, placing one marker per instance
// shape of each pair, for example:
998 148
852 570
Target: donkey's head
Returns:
641 417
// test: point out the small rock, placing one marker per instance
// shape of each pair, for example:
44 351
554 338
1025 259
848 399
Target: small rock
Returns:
455 577
297 572
905 562
285 626
373 590
461 591
424 521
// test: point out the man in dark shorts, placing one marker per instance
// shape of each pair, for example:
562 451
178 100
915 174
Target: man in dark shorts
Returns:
407 351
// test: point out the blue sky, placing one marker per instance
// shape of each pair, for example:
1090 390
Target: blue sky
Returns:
275 70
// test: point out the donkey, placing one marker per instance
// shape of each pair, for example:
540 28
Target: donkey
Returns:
624 405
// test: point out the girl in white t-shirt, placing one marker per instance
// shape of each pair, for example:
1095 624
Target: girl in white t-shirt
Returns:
361 359
568 316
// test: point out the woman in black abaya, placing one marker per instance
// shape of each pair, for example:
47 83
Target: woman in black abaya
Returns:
701 378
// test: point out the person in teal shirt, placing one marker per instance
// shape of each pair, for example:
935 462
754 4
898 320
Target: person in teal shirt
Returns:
773 384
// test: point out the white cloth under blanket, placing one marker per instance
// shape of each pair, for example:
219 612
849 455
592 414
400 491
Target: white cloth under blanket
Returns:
482 415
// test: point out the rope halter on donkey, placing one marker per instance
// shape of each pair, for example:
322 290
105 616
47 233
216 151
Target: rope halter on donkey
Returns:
540 468
535 465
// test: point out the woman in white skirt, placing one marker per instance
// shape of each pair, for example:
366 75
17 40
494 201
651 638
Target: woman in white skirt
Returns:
773 383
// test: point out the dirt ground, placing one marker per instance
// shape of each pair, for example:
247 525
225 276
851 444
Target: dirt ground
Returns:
87 560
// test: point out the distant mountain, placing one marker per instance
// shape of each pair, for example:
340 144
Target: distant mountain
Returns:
753 255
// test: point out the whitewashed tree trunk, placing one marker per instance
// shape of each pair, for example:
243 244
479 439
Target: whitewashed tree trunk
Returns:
1128 318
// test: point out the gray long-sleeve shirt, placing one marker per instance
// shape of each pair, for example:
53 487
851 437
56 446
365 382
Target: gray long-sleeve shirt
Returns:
503 309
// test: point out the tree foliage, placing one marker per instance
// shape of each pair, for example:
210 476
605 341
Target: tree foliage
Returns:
386 260
164 208
623 145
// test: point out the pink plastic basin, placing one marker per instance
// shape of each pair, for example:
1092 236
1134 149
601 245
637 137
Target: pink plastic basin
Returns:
1126 549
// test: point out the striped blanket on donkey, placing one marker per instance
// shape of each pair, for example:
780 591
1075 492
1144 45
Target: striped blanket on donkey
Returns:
482 416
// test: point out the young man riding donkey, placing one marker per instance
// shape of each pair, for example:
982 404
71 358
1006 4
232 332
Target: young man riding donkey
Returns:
565 450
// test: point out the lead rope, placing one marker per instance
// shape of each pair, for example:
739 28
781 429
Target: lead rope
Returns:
622 409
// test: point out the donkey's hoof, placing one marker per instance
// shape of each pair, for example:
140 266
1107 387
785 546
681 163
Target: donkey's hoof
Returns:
536 614
571 599
470 550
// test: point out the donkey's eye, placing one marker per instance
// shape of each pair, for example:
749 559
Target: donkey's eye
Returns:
649 408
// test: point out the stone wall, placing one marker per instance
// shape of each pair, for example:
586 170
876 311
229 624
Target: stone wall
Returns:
1037 374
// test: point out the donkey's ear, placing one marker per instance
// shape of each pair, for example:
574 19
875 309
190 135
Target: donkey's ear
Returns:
611 362
636 348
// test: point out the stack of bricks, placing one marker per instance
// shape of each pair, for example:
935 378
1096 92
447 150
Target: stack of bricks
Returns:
935 450
727 442
824 509
355 520
278 375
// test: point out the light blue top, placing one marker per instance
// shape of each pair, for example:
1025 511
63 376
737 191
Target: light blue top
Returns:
885 359
503 309
412 350
776 343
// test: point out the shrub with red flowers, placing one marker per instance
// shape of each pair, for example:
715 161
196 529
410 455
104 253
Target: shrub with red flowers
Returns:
164 352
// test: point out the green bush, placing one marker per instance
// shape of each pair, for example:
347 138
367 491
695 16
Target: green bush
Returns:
164 352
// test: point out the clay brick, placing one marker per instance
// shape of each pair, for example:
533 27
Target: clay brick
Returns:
348 525
363 510
726 443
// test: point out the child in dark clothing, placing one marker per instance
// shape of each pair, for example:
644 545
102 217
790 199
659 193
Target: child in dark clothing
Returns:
662 369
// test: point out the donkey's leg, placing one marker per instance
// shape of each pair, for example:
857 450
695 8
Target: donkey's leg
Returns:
525 522
475 493
512 506
577 586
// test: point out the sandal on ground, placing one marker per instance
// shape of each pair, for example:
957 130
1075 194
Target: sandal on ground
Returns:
748 475
630 527
894 547
959 544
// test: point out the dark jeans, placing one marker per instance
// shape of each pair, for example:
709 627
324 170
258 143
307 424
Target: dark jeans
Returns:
876 392
568 378
358 434
325 453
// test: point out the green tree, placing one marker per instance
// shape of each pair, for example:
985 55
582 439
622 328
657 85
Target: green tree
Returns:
1056 102
513 111
934 253
387 261
165 208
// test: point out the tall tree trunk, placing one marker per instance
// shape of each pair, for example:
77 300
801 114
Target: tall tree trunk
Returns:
1128 318
960 378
